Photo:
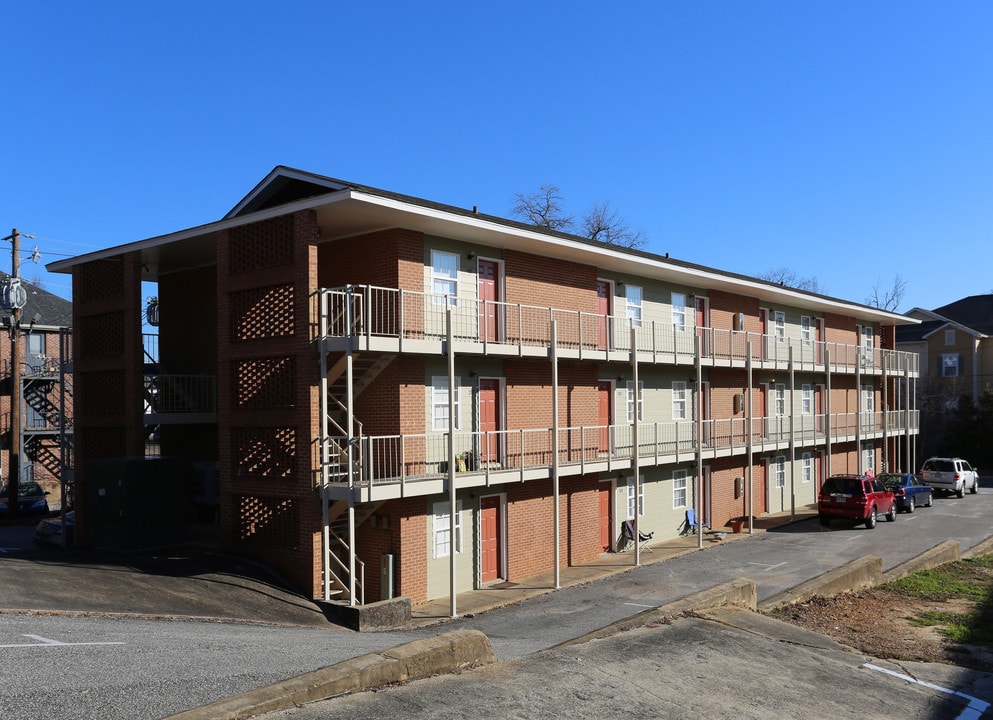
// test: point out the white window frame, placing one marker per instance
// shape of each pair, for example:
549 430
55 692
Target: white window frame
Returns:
777 393
868 457
868 337
679 311
950 365
779 469
439 402
634 300
779 325
806 336
630 498
680 489
806 399
807 468
680 400
630 401
441 527
868 399
443 282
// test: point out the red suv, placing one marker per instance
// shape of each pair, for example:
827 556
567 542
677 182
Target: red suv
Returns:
856 498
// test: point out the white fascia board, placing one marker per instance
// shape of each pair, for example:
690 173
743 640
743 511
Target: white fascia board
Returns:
958 326
64 266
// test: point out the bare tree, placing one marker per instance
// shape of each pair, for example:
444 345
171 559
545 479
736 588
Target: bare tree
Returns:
887 299
602 223
542 208
790 278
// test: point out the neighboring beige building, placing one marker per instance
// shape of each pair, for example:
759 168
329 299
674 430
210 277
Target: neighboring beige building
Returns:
954 345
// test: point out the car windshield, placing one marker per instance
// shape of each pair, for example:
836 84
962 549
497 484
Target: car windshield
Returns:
28 490
940 465
848 486
893 480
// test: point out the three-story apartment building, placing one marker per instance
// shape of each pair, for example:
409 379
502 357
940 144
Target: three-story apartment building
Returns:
419 399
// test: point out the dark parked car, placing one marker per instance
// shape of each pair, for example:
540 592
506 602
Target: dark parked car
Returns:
49 530
31 499
910 492
855 498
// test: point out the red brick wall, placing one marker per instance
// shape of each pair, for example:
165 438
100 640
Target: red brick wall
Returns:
725 306
531 531
390 258
546 282
267 440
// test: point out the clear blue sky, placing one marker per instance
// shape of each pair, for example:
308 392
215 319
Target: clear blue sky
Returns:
849 141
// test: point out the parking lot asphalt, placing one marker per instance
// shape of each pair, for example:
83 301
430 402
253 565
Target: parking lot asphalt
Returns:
196 581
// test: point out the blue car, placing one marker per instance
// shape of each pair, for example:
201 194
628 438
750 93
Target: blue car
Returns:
910 492
31 499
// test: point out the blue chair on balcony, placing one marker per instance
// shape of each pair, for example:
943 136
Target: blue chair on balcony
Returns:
691 524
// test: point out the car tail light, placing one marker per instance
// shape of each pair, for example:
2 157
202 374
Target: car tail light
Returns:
899 491
957 477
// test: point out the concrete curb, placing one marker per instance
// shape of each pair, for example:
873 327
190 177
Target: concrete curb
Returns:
737 593
982 548
864 572
446 653
944 552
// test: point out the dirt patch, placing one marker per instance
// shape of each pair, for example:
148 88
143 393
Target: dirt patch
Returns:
881 623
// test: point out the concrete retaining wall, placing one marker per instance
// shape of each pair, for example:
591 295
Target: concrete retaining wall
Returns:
737 593
447 653
945 552
865 572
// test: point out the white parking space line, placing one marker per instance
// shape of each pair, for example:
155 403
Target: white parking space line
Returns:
973 710
768 568
46 642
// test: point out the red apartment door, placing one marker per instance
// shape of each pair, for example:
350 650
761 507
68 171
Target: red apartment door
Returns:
819 339
605 395
819 409
702 323
489 420
764 329
606 516
489 274
489 522
603 312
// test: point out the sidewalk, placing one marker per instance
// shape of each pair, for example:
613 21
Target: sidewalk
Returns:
507 593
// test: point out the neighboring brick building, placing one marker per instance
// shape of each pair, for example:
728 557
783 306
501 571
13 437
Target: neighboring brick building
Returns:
46 390
337 317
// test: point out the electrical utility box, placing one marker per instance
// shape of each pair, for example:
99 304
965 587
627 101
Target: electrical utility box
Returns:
386 576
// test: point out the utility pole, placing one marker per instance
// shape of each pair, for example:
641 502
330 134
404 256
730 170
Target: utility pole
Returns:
16 298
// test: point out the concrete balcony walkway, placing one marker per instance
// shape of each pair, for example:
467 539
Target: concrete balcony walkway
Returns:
506 593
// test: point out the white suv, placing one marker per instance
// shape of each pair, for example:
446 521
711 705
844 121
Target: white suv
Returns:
950 474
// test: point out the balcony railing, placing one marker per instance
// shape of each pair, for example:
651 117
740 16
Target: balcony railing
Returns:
180 394
401 458
376 312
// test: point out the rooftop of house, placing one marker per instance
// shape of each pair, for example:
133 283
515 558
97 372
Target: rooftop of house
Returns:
973 314
42 308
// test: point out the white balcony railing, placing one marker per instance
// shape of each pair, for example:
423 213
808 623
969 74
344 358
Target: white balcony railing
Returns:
403 458
377 312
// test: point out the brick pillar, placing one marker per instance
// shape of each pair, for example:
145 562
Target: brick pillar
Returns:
267 387
107 366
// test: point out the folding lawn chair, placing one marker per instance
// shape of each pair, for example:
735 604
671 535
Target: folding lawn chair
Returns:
643 538
691 522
